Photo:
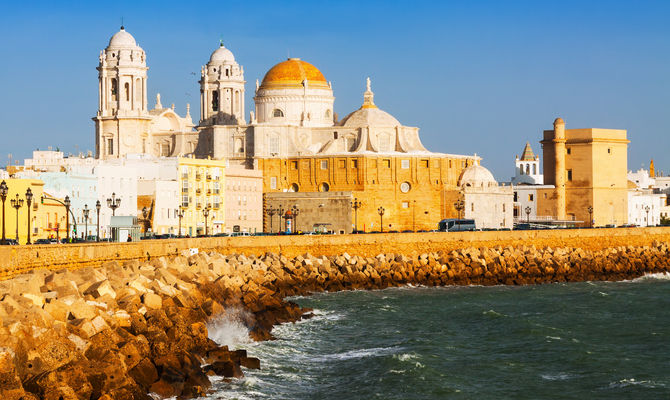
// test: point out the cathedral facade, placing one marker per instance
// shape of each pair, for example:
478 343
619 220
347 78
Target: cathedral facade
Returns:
293 136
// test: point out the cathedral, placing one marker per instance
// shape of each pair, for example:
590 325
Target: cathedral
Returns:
293 136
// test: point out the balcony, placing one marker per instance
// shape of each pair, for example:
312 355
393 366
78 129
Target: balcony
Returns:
217 191
198 176
184 190
216 206
198 205
209 177
209 191
184 176
184 204
198 191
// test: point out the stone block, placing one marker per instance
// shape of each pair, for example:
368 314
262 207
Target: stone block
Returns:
152 301
99 289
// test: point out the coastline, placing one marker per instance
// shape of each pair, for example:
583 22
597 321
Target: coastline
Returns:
125 330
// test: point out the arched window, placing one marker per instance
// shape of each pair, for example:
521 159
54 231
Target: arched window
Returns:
521 169
527 169
238 146
110 146
534 169
277 113
127 91
115 89
328 114
215 100
324 187
293 188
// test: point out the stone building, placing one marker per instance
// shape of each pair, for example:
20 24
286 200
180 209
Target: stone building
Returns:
317 212
487 203
587 168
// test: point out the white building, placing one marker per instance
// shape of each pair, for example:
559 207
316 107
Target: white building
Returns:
526 198
243 200
55 161
487 203
644 207
527 168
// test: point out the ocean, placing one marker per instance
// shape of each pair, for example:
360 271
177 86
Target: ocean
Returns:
590 340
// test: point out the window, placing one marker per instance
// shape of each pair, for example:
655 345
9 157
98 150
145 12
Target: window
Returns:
238 146
274 145
530 197
115 89
569 175
472 206
328 114
110 146
324 187
405 204
404 164
387 163
609 151
294 165
324 164
516 197
343 163
165 150
424 163
568 150
527 169
277 113
294 188
503 207
215 100
273 183
126 88
534 169
354 164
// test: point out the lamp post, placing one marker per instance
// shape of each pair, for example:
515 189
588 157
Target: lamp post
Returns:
528 210
18 203
205 212
646 208
590 210
460 206
356 204
86 211
144 217
414 215
271 212
67 203
295 210
3 196
97 210
281 215
180 214
381 211
29 200
113 203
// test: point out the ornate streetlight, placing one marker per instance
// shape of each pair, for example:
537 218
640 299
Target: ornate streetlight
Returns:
281 215
528 210
29 200
460 206
86 211
205 212
180 214
646 208
67 203
97 210
381 211
356 204
3 196
144 216
18 203
113 203
271 212
590 210
295 210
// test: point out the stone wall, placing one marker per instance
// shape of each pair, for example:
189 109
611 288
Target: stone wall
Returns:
21 259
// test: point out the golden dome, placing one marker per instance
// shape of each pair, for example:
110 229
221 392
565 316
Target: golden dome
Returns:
291 73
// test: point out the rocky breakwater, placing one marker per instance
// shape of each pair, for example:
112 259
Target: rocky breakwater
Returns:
122 331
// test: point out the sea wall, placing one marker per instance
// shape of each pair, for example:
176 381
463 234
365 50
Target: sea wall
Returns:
20 259
119 331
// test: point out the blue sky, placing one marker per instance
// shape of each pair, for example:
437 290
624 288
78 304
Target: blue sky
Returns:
476 76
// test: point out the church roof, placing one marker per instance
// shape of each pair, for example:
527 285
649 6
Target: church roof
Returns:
221 55
291 74
369 114
477 176
122 39
528 154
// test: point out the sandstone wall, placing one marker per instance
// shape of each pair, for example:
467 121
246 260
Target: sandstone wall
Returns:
21 259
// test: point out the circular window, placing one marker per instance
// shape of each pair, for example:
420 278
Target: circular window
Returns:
324 187
405 187
293 187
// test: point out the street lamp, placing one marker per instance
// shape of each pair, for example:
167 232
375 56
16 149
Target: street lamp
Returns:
460 206
295 211
180 214
113 203
3 196
528 210
18 203
29 200
414 215
271 212
205 212
356 204
281 215
590 210
97 210
646 208
67 203
144 216
381 211
86 211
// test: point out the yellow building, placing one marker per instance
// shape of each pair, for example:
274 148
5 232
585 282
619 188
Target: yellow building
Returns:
201 183
47 218
588 168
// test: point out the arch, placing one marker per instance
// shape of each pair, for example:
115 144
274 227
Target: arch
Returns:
277 113
521 169
294 188
115 89
215 100
527 169
239 147
324 187
534 169
328 114
126 89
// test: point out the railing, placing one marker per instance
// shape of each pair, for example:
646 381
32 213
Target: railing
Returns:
544 218
209 177
198 176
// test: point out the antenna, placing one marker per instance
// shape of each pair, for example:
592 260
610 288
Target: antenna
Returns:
122 22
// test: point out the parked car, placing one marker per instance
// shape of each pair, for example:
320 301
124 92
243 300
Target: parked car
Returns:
43 241
10 242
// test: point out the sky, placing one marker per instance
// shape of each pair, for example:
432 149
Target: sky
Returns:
478 77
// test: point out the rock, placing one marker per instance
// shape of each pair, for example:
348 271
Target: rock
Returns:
152 301
99 289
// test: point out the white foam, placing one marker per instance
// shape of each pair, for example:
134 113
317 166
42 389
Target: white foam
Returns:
561 376
405 356
661 276
231 329
362 353
632 382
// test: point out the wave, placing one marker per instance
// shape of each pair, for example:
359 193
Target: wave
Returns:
632 382
361 353
561 376
661 276
231 328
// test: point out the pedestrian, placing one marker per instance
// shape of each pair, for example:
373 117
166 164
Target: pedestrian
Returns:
130 238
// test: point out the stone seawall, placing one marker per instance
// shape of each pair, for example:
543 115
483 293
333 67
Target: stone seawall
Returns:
20 259
123 330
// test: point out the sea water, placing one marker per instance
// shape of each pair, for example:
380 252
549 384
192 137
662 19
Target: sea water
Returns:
591 340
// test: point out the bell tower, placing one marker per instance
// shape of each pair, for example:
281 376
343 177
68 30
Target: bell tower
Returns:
222 90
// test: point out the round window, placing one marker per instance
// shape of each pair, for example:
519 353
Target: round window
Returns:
405 187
